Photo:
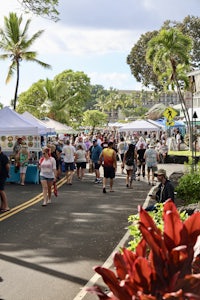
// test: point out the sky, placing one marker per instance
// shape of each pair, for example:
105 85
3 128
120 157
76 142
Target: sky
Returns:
92 36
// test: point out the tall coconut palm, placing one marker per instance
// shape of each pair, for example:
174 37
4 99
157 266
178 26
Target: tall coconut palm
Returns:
16 46
169 54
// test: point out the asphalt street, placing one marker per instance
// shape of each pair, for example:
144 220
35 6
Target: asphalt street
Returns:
49 252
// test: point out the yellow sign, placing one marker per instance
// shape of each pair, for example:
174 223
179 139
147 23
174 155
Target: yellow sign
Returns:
170 123
169 113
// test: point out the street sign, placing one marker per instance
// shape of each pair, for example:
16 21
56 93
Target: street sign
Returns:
170 123
169 113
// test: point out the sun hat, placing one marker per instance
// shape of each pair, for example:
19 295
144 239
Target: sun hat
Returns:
161 172
152 145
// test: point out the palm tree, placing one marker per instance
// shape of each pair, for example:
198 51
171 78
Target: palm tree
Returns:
169 54
16 44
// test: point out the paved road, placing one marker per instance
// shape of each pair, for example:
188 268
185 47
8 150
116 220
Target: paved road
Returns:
49 252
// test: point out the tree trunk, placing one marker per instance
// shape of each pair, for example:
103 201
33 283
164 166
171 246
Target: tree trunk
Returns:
16 88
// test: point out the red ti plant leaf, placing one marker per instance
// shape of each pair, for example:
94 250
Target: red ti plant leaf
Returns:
196 265
192 225
97 291
190 284
151 233
173 226
114 285
163 273
141 249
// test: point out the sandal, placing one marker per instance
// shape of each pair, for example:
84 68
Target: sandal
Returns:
4 210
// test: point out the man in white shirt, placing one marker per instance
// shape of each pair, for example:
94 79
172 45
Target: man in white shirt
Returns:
69 152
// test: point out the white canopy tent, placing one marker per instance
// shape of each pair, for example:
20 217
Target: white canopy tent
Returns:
59 127
12 123
43 128
139 125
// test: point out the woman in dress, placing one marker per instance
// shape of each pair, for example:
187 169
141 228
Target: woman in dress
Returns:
23 162
48 172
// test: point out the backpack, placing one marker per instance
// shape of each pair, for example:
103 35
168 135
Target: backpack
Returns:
130 161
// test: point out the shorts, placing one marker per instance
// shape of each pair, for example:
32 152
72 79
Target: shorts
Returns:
2 184
109 172
81 165
22 170
69 166
129 167
45 178
154 169
96 166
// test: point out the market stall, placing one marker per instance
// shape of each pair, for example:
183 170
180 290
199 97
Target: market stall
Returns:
139 126
12 127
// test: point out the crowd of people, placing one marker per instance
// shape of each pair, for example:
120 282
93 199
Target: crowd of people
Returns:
138 155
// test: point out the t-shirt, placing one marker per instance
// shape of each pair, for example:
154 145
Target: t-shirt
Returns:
151 157
68 152
80 156
108 157
3 162
47 167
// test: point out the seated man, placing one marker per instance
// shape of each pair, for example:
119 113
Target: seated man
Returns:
165 189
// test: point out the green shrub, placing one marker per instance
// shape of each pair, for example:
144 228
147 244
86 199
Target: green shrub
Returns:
156 215
188 188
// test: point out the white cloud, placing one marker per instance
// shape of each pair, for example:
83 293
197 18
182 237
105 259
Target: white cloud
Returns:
93 36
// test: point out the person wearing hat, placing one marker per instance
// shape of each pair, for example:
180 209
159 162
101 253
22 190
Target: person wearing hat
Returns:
151 157
165 189
4 173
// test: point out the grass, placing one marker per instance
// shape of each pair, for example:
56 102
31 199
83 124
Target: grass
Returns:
183 153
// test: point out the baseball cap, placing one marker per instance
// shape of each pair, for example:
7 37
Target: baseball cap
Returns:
94 140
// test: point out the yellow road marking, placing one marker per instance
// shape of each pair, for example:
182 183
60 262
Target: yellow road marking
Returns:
28 203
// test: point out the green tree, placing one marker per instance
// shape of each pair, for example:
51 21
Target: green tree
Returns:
136 59
16 45
45 8
72 90
94 118
169 54
33 100
97 92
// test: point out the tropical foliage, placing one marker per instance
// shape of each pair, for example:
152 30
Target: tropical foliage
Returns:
143 72
169 55
94 118
163 265
45 8
16 47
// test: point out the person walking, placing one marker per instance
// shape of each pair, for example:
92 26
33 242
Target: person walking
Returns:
151 157
129 163
121 148
23 163
94 153
140 160
4 173
48 173
108 158
69 153
80 160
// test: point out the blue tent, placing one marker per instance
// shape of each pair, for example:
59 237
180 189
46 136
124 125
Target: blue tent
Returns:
177 124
